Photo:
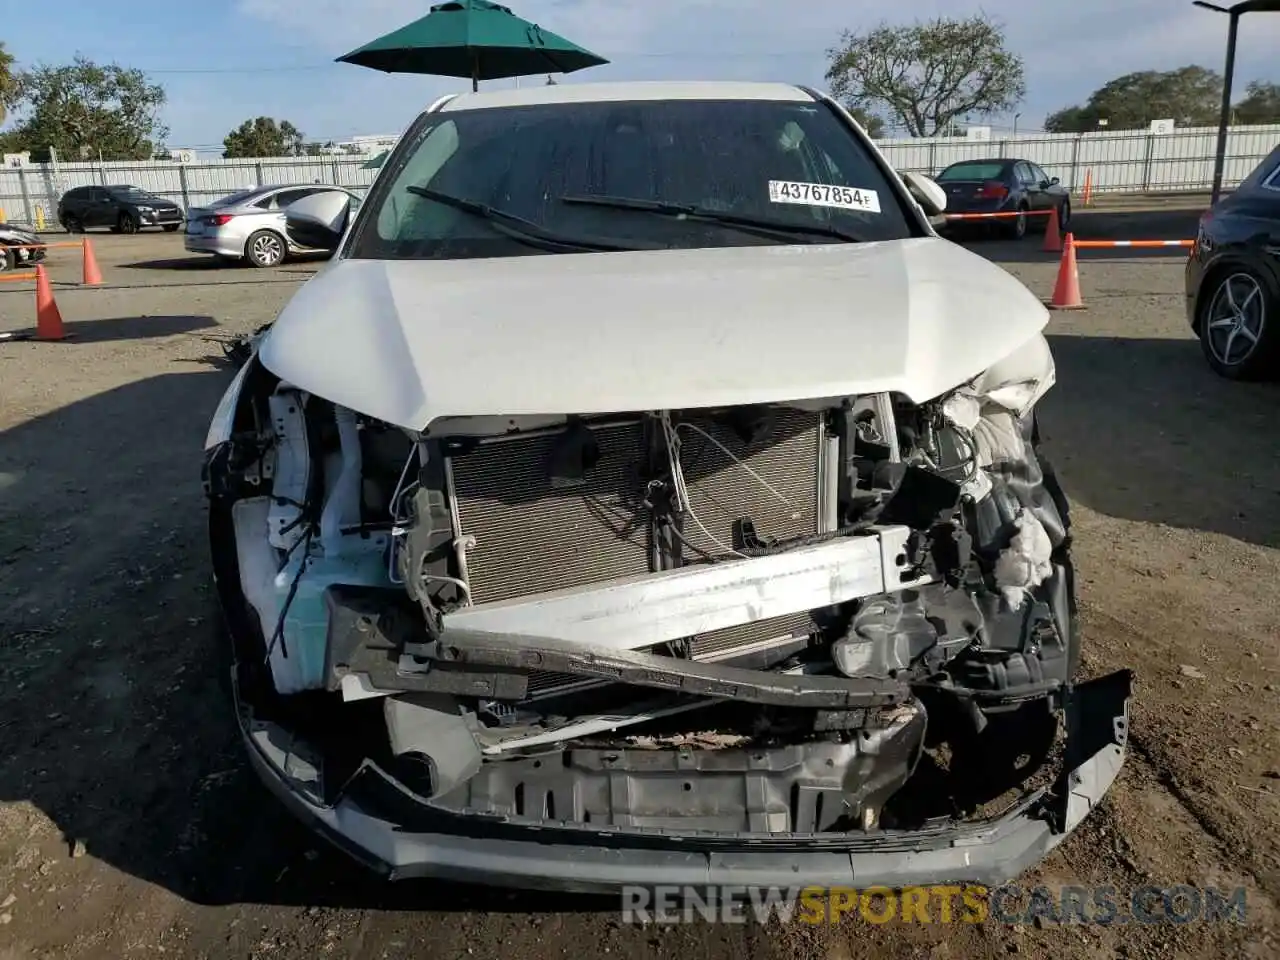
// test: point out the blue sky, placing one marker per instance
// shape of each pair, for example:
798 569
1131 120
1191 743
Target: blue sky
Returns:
223 61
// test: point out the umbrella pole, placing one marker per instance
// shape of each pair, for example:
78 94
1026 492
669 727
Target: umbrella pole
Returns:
475 71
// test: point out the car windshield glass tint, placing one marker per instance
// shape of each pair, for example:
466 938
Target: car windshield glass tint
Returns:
782 163
131 193
972 171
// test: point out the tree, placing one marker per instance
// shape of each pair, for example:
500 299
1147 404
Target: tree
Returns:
264 137
86 110
8 82
1071 120
1191 96
927 74
869 121
1261 104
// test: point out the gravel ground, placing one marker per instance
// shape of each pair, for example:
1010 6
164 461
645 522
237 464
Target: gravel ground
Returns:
130 826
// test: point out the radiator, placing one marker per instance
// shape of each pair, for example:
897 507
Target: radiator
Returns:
531 537
721 492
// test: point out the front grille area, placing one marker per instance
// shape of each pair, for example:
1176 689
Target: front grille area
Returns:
532 537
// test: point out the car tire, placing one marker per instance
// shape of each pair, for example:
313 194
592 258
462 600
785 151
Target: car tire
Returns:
1018 225
171 227
265 249
8 260
1064 216
127 223
71 224
1239 324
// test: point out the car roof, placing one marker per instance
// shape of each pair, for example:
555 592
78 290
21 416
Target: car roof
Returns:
631 91
263 189
1001 160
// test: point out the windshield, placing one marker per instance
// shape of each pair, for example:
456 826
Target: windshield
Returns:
565 177
972 171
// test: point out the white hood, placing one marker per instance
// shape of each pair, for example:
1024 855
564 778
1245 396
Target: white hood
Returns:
410 341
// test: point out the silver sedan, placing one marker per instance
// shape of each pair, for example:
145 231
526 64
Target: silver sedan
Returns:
250 225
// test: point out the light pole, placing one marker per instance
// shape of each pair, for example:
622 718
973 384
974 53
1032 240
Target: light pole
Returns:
1015 124
1234 13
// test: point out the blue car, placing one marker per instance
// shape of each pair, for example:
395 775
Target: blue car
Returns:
1005 185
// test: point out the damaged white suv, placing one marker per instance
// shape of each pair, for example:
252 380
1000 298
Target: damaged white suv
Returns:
645 494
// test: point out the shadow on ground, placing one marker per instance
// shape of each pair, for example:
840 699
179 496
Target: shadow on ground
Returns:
1143 430
117 727
201 263
195 264
126 328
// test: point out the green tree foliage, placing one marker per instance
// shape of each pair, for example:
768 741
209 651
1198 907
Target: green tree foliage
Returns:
870 122
1261 104
8 82
925 75
1191 96
264 137
85 110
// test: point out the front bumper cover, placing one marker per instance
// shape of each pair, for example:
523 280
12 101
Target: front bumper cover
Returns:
406 839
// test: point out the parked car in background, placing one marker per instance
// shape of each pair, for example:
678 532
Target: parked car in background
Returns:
250 225
122 208
19 248
1233 278
1005 185
627 403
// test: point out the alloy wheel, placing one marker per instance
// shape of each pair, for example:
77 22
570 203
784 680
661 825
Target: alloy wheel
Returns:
1233 325
267 250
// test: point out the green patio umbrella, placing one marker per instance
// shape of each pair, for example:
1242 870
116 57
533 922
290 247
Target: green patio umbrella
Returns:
472 38
376 162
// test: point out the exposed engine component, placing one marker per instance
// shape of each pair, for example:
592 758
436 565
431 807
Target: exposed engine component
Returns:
547 589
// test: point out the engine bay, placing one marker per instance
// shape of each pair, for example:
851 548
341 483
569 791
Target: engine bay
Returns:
756 618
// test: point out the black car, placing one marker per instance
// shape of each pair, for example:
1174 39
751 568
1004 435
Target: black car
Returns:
1005 185
19 248
123 208
1233 278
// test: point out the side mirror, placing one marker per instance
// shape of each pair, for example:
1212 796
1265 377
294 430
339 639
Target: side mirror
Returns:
926 192
1054 181
318 221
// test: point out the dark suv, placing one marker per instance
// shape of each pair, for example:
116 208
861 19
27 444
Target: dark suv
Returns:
123 208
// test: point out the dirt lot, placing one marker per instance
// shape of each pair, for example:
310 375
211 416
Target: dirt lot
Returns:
130 827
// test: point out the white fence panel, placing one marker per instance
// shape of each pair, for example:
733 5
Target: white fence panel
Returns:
1120 161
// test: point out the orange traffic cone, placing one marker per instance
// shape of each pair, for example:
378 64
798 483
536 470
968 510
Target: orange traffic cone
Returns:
48 317
1053 233
92 275
1066 292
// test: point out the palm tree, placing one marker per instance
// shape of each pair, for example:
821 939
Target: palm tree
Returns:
8 81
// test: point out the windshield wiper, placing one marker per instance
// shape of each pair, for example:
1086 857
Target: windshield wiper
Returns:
777 229
518 228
